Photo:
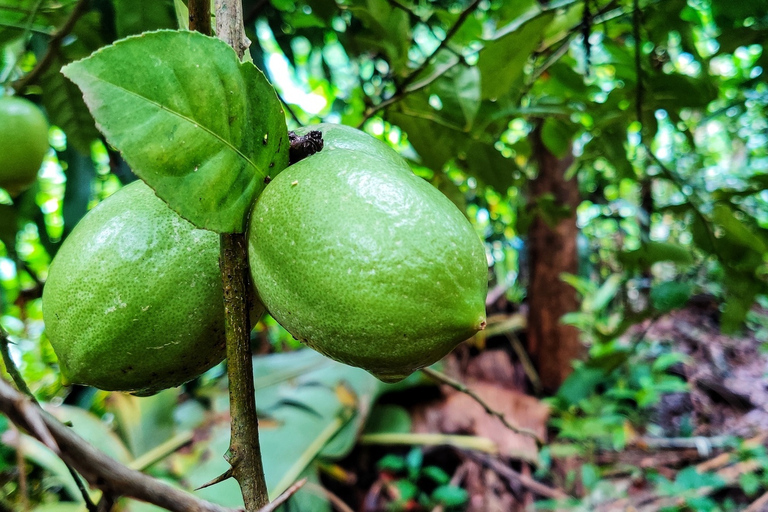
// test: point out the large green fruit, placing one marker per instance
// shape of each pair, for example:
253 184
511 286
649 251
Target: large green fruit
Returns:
23 143
364 261
134 300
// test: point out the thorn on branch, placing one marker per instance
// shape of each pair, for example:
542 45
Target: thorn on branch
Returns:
303 146
224 476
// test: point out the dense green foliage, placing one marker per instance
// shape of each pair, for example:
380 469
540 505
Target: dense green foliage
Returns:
664 109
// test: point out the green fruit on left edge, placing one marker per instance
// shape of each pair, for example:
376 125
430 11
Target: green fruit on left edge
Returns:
364 261
23 143
134 300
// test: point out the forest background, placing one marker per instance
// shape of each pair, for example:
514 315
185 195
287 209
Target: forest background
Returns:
613 156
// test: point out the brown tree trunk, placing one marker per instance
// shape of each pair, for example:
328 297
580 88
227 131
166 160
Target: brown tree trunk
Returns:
552 251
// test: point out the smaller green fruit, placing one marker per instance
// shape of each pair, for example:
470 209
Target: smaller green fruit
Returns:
23 143
134 299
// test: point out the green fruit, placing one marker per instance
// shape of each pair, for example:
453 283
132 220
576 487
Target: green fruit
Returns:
134 300
23 143
364 261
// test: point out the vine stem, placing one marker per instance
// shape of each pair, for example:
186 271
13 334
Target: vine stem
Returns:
244 454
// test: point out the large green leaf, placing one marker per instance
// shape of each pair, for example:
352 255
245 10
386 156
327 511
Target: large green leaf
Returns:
15 16
145 422
62 99
503 60
309 407
200 127
484 162
90 427
66 108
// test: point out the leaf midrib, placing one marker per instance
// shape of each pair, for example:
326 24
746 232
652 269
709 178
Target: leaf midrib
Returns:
185 118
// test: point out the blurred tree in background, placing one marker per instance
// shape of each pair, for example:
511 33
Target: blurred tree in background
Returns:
612 154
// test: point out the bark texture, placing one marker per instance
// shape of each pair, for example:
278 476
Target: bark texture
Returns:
552 251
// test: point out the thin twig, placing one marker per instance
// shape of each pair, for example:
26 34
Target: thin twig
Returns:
23 490
287 107
402 88
460 387
53 46
27 29
513 476
33 419
448 36
100 470
337 502
10 366
525 360
679 183
284 497
760 504
639 91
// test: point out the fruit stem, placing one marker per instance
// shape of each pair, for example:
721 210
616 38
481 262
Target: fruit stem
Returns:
244 450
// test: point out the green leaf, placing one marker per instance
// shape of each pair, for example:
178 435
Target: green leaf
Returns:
67 110
674 92
590 475
58 474
557 136
741 289
433 142
413 461
664 361
90 427
749 483
200 127
459 92
436 474
405 490
735 231
484 162
670 295
309 407
450 495
599 301
654 252
580 384
388 30
391 462
388 418
144 423
503 60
